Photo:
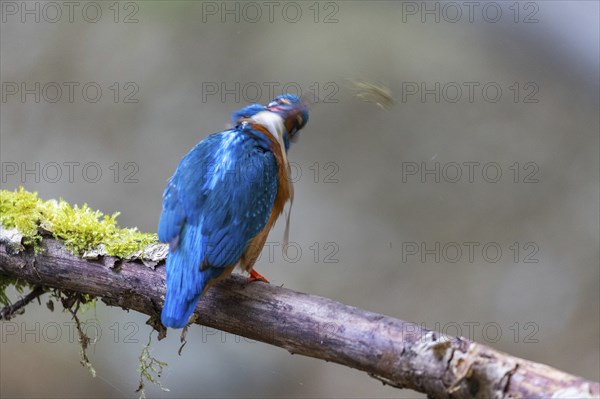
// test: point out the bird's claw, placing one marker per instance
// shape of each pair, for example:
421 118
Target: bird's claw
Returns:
254 276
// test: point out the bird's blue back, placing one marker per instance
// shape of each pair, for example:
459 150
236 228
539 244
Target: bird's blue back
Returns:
219 198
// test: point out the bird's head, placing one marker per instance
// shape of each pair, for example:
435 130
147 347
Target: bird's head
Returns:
293 111
247 112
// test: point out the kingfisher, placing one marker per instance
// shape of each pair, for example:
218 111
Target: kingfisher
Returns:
223 199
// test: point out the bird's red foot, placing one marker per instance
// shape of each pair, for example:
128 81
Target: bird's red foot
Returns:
254 275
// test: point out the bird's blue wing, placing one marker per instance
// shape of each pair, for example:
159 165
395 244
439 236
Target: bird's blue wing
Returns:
172 217
241 190
219 198
185 180
226 187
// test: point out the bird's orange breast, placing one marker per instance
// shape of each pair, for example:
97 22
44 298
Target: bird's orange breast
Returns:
256 244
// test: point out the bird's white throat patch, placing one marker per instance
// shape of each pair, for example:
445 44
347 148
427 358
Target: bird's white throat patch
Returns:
275 125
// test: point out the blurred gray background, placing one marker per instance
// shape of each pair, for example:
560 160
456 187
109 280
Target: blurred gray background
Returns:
354 196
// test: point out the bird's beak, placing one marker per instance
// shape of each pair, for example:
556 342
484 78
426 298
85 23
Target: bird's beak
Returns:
292 116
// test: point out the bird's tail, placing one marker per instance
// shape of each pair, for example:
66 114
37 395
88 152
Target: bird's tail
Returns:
185 283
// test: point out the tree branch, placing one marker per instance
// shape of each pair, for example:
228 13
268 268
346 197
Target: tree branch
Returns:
393 351
10 311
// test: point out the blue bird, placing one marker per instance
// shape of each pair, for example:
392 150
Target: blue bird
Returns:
223 200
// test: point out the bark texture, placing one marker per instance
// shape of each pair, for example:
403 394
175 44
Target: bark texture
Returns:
393 351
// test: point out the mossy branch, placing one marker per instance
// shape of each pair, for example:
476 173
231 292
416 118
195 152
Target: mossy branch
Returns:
393 351
396 352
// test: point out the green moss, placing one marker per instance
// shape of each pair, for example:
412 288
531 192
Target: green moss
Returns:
21 209
81 228
150 369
